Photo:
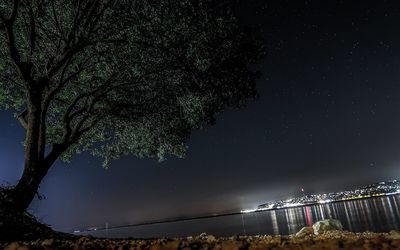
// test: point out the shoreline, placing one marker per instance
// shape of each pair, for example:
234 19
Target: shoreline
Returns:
328 240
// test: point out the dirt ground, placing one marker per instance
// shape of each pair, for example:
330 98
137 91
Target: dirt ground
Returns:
329 240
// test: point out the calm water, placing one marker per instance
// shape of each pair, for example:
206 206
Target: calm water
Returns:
374 214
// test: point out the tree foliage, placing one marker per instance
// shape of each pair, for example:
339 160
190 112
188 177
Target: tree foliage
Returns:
123 77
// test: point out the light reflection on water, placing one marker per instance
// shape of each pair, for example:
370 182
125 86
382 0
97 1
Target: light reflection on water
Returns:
375 214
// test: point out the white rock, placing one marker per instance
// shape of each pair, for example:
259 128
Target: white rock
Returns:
323 226
203 235
234 237
305 231
211 238
394 235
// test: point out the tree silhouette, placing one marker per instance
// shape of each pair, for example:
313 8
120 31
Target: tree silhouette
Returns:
117 77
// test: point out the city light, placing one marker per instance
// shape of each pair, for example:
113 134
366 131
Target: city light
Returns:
324 201
248 211
292 205
374 190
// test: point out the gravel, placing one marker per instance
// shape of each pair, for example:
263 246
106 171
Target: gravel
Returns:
328 240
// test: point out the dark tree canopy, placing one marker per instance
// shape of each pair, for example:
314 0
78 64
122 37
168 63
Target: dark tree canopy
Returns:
116 77
123 77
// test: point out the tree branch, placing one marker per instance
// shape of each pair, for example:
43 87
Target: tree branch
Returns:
23 68
14 11
33 34
21 117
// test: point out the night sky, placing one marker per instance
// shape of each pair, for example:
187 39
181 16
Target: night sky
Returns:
328 119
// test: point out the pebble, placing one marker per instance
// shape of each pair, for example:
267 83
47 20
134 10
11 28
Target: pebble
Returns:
328 240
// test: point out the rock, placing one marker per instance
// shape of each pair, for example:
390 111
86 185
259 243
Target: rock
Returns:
203 235
208 238
234 237
305 231
48 243
394 235
211 238
16 246
83 240
323 226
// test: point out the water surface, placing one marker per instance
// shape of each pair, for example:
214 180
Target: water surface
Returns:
379 214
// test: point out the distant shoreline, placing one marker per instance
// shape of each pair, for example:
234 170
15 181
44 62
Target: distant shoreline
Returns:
323 203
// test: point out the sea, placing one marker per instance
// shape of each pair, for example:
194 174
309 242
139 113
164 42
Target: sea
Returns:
378 214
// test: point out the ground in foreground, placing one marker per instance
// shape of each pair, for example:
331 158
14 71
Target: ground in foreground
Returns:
329 240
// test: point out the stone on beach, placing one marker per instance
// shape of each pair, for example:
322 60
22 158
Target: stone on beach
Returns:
320 227
207 237
395 235
305 231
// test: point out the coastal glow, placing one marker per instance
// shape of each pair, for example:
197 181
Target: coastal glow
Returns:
293 205
325 201
246 211
397 192
374 190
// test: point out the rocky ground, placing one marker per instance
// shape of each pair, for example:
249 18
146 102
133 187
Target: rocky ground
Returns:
327 240
325 234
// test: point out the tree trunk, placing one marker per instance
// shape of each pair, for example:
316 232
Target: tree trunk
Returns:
32 176
28 186
34 167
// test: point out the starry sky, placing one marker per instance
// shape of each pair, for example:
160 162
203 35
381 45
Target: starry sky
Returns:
327 119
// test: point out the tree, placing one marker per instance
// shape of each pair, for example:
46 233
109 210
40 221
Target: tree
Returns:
117 77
